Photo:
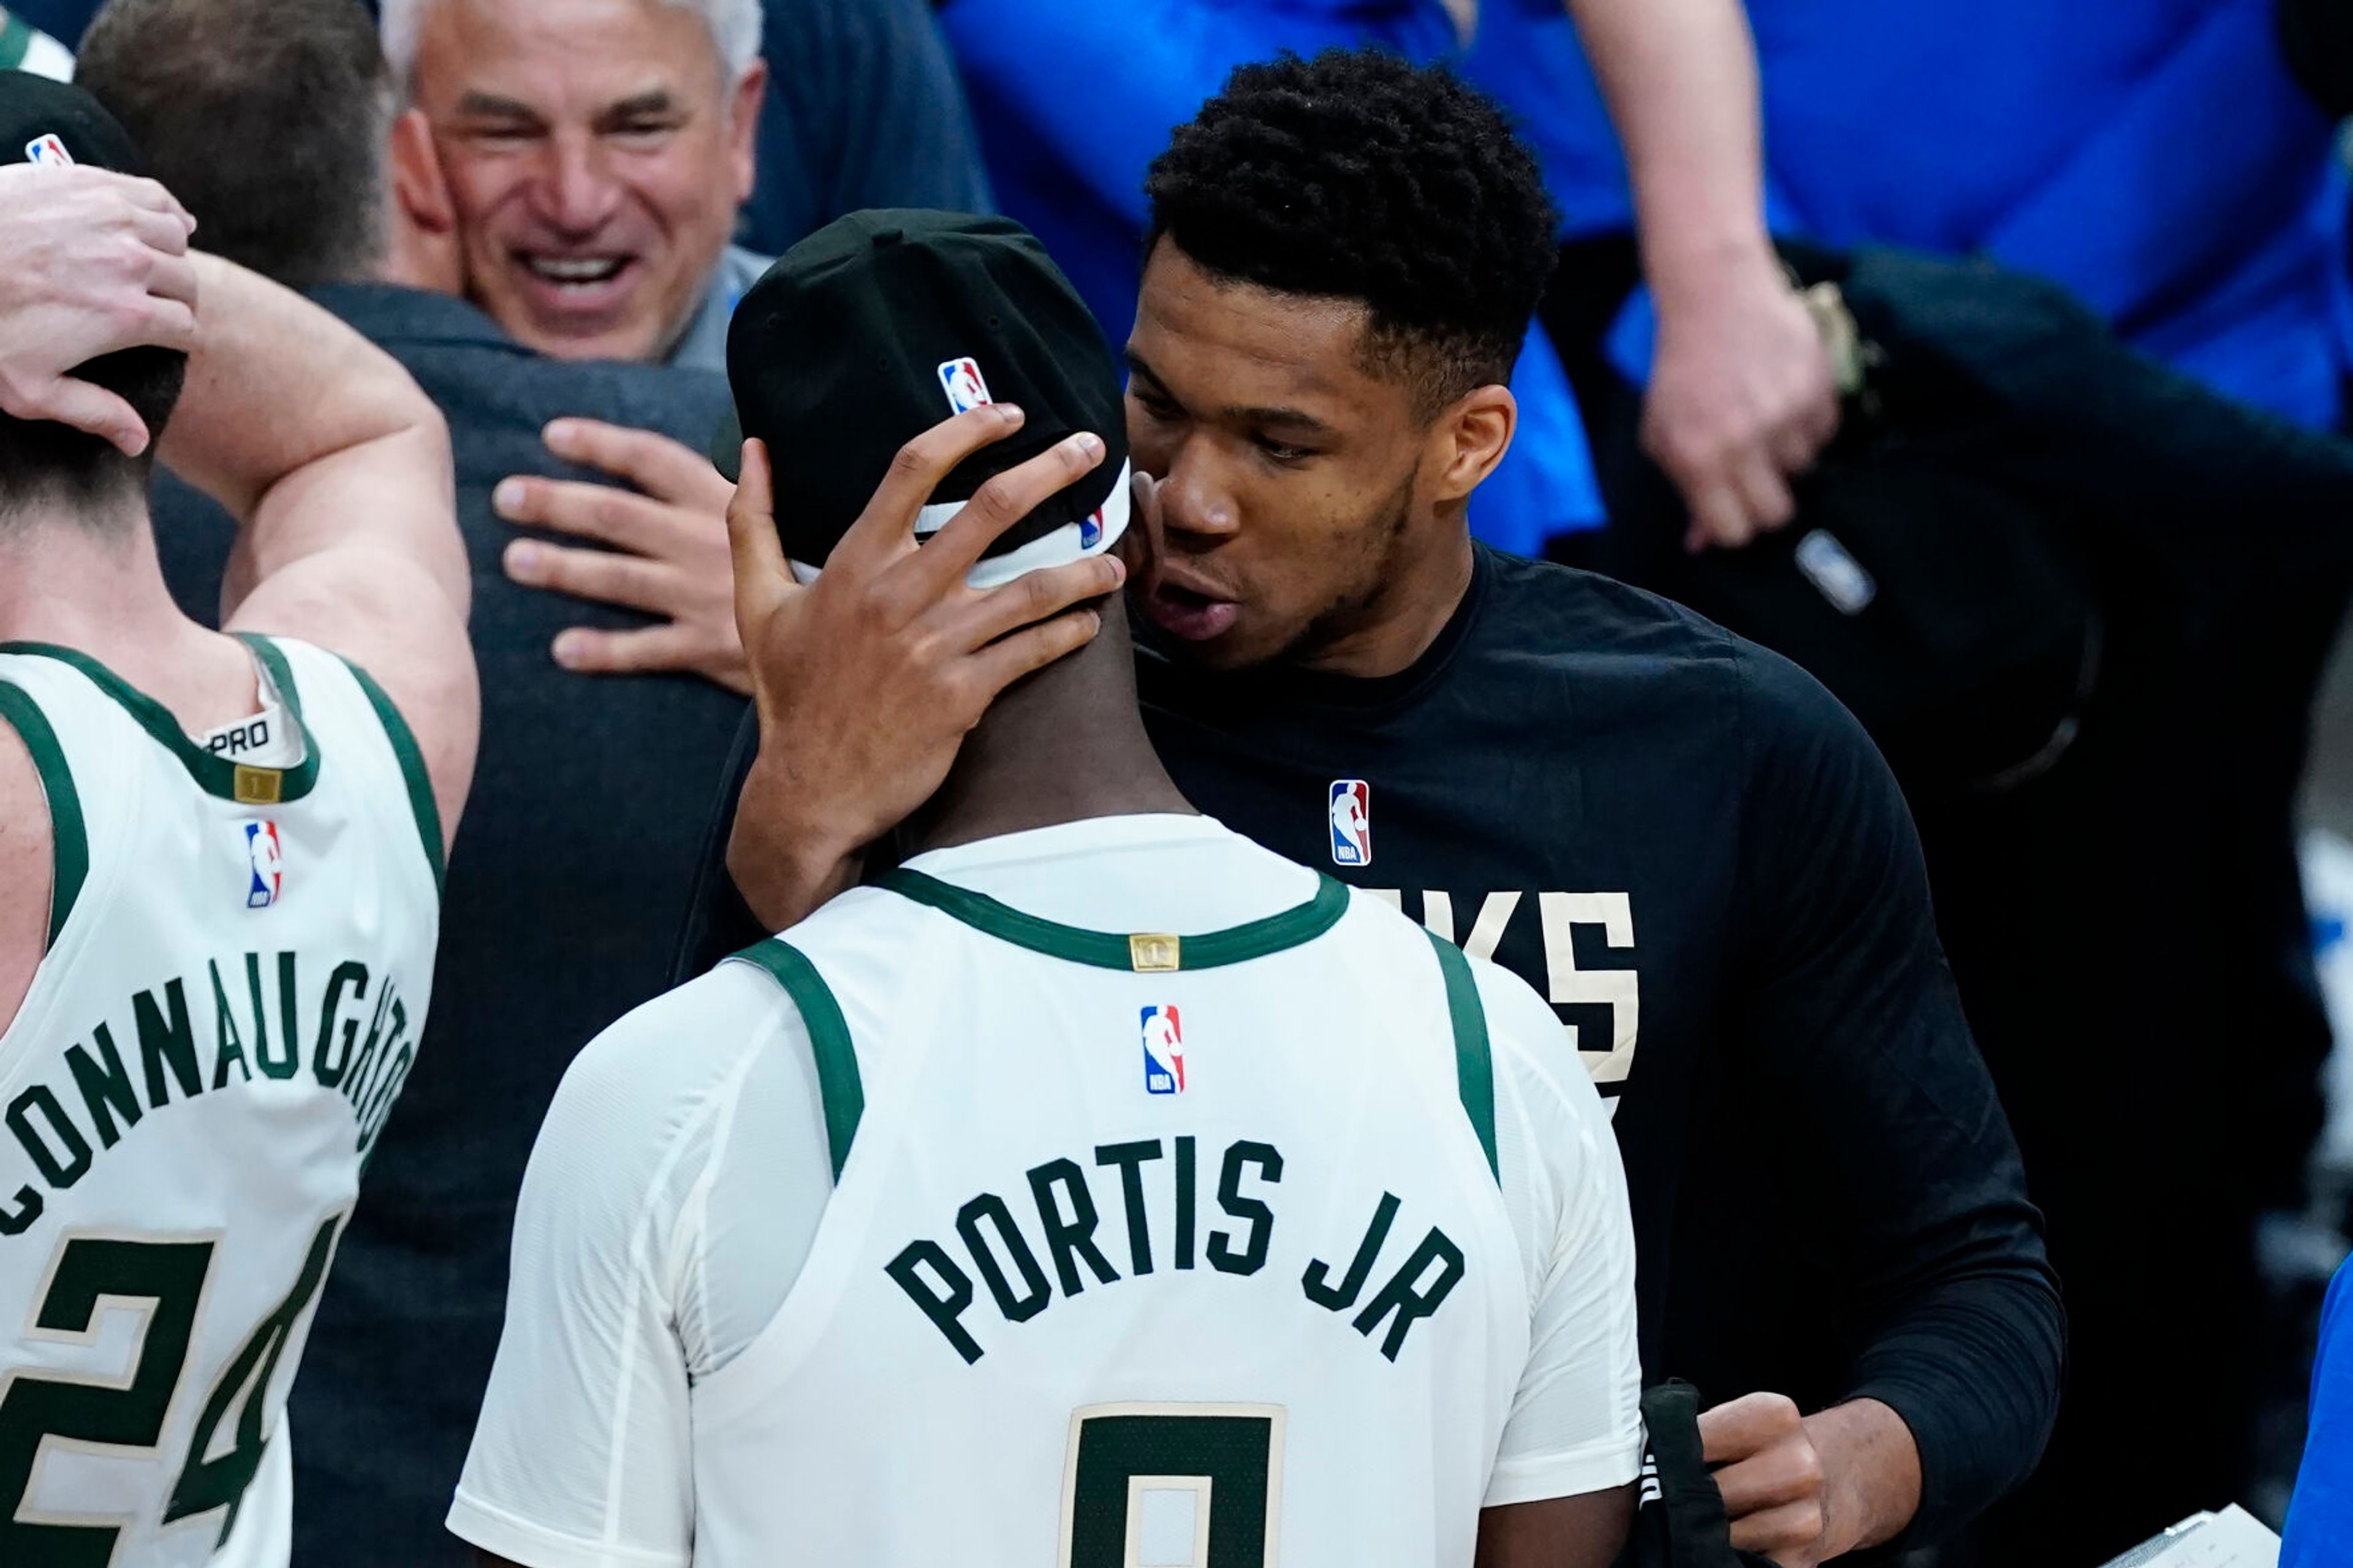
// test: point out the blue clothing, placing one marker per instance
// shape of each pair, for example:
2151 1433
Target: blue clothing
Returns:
2320 1517
863 110
1070 129
2156 158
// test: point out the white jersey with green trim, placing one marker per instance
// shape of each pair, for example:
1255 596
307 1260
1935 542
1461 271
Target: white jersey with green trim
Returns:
1300 1239
238 964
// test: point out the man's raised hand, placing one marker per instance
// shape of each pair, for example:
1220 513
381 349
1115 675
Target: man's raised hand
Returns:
867 681
91 263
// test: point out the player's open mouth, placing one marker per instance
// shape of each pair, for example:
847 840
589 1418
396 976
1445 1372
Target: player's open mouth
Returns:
1186 613
573 284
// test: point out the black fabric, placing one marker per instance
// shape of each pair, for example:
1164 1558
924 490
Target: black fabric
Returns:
2316 37
1809 1132
571 872
2126 926
1681 1523
33 107
846 349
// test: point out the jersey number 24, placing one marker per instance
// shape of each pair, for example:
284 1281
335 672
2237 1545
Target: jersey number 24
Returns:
169 1277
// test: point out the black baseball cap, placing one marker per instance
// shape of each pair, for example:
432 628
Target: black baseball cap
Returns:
46 122
883 323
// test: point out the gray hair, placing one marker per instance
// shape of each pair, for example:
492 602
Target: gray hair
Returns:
735 31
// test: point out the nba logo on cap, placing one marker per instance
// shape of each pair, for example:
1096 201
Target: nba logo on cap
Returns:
1352 822
1090 530
960 378
1164 1051
267 863
46 149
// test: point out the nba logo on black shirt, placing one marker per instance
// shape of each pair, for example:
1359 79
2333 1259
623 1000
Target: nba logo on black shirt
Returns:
1352 822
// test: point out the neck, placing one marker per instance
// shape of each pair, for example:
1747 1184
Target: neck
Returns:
87 581
101 592
1421 584
1062 745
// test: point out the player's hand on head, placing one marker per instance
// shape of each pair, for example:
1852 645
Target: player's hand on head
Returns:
1741 400
867 681
664 551
91 263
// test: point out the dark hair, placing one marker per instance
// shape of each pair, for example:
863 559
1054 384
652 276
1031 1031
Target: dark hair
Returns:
267 118
58 464
1358 175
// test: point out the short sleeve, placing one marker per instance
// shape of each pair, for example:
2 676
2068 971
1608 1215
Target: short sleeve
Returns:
582 1455
1576 1421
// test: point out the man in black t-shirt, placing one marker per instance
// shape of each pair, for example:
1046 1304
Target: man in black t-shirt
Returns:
1682 839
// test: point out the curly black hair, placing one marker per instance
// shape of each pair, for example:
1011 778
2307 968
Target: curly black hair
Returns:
1358 175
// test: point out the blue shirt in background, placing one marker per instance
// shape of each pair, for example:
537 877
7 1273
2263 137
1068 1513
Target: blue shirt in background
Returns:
1075 98
2156 158
2320 1519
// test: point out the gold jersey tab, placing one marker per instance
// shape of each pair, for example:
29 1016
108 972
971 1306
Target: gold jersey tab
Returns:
258 786
1154 952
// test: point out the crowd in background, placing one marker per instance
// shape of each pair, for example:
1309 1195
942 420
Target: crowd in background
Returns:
2021 436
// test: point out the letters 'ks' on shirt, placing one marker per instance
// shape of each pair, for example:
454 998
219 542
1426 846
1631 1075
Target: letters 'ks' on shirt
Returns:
1305 1229
238 965
1686 845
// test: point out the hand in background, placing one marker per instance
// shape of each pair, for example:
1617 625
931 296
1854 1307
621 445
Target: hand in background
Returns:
91 263
1741 398
666 556
867 681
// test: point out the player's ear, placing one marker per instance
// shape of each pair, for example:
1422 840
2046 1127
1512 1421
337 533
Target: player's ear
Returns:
1469 439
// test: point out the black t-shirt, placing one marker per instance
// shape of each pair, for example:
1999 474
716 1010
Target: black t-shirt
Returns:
1695 853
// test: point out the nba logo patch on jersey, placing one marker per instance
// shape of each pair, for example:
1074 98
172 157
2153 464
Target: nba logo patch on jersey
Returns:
960 378
268 865
46 149
1164 1051
1352 822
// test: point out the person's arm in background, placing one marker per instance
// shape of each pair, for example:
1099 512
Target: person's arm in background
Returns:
1740 394
1862 1081
337 469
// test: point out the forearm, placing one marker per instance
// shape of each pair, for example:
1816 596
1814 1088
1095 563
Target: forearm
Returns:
1680 76
1871 1470
310 437
784 869
1973 1369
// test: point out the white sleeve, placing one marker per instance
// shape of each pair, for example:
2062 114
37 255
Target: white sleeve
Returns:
1575 1424
582 1455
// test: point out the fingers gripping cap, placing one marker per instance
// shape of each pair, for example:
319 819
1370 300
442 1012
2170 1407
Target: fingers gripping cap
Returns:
44 122
885 322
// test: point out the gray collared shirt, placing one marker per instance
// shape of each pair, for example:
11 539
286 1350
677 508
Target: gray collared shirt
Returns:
704 345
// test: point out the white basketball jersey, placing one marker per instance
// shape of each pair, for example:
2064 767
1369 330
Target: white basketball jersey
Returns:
1143 1250
238 965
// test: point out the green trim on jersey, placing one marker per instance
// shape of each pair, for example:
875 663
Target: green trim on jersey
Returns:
15 41
1475 1063
68 835
216 775
412 769
836 1063
1235 944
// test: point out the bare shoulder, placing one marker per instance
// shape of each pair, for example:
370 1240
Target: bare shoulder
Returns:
25 850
